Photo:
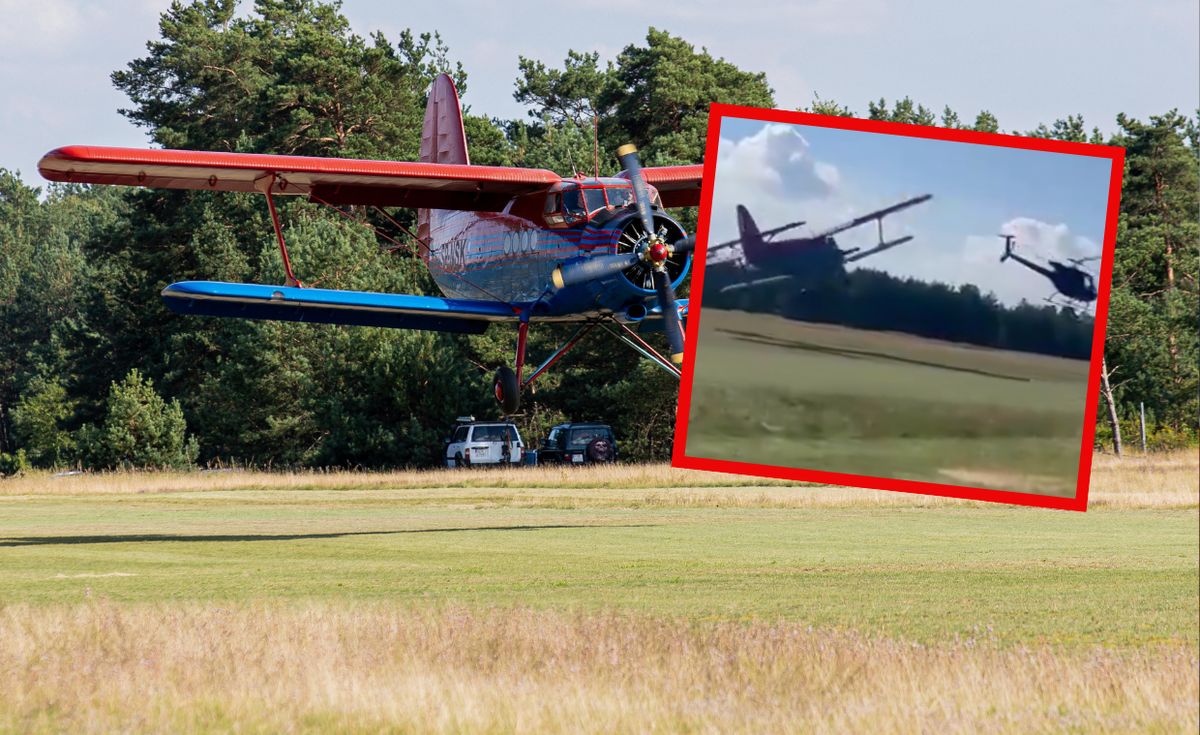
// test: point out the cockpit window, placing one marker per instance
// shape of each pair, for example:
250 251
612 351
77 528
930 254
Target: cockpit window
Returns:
594 199
619 196
582 202
573 202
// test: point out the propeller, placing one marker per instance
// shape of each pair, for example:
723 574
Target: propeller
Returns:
650 251
627 155
656 252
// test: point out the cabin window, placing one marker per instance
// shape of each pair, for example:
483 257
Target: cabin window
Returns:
552 212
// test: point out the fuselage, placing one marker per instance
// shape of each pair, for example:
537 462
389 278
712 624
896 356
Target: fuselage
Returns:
809 261
1070 282
509 255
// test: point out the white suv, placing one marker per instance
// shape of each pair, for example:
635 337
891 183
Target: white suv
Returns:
483 443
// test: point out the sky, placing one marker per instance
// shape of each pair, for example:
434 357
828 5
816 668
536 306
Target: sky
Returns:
1054 203
1027 61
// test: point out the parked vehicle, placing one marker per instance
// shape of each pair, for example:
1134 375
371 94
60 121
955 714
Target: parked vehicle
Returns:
473 443
579 444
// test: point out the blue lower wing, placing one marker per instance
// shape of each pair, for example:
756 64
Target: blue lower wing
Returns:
326 306
654 323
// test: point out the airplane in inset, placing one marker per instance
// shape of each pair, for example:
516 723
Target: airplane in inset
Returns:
1069 280
810 261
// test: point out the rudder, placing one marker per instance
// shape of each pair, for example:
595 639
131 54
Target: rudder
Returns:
443 139
749 234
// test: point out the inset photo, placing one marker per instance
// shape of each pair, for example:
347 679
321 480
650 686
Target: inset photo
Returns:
898 307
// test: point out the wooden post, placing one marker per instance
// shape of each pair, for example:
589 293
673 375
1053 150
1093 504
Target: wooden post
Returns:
1106 391
1142 410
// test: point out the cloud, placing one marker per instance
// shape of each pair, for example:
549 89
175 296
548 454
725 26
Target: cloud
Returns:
776 162
775 174
1053 242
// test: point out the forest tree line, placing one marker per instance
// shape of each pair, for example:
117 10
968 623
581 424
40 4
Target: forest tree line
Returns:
95 372
871 299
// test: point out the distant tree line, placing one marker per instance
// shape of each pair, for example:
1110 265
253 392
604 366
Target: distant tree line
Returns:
870 299
95 372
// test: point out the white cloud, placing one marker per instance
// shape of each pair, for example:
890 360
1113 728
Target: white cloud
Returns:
776 162
775 174
1049 241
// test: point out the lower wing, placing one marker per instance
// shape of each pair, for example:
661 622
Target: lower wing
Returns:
326 306
756 282
355 308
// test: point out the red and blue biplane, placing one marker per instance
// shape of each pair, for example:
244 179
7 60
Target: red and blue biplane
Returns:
510 245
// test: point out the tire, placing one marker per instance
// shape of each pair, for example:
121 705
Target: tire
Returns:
458 461
601 450
508 393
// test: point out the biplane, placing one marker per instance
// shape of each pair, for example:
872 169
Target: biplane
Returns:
1071 281
756 257
504 245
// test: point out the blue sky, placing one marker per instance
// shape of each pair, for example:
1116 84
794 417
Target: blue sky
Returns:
1026 61
1055 203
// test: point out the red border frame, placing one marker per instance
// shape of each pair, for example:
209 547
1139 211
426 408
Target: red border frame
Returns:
717 112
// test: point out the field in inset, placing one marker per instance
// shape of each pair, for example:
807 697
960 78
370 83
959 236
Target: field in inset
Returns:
608 600
772 391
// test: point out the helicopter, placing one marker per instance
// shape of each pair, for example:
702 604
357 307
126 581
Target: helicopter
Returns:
1071 281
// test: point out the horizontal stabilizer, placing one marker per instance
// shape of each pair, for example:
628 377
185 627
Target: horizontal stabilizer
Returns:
327 306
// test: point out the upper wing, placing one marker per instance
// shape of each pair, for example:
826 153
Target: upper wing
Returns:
877 215
678 186
332 180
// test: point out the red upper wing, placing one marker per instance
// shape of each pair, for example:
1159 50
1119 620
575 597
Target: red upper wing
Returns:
678 186
332 180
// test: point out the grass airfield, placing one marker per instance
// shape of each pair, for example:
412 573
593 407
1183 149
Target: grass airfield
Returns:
773 391
596 600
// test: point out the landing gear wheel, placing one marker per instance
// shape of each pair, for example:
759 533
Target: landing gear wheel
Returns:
600 450
508 393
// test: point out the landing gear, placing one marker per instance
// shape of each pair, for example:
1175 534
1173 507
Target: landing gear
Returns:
508 390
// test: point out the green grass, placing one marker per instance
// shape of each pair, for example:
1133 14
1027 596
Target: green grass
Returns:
1121 577
771 391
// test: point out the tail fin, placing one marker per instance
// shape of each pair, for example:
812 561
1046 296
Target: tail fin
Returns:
1008 247
748 232
443 139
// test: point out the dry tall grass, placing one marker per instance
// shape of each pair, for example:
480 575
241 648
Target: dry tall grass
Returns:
1137 481
1146 480
105 668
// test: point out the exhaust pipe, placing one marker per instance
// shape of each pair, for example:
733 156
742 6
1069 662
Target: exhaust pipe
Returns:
633 314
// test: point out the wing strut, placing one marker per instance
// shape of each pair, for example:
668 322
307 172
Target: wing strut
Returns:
291 279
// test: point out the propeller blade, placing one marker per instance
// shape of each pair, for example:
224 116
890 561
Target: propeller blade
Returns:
589 269
627 155
671 326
